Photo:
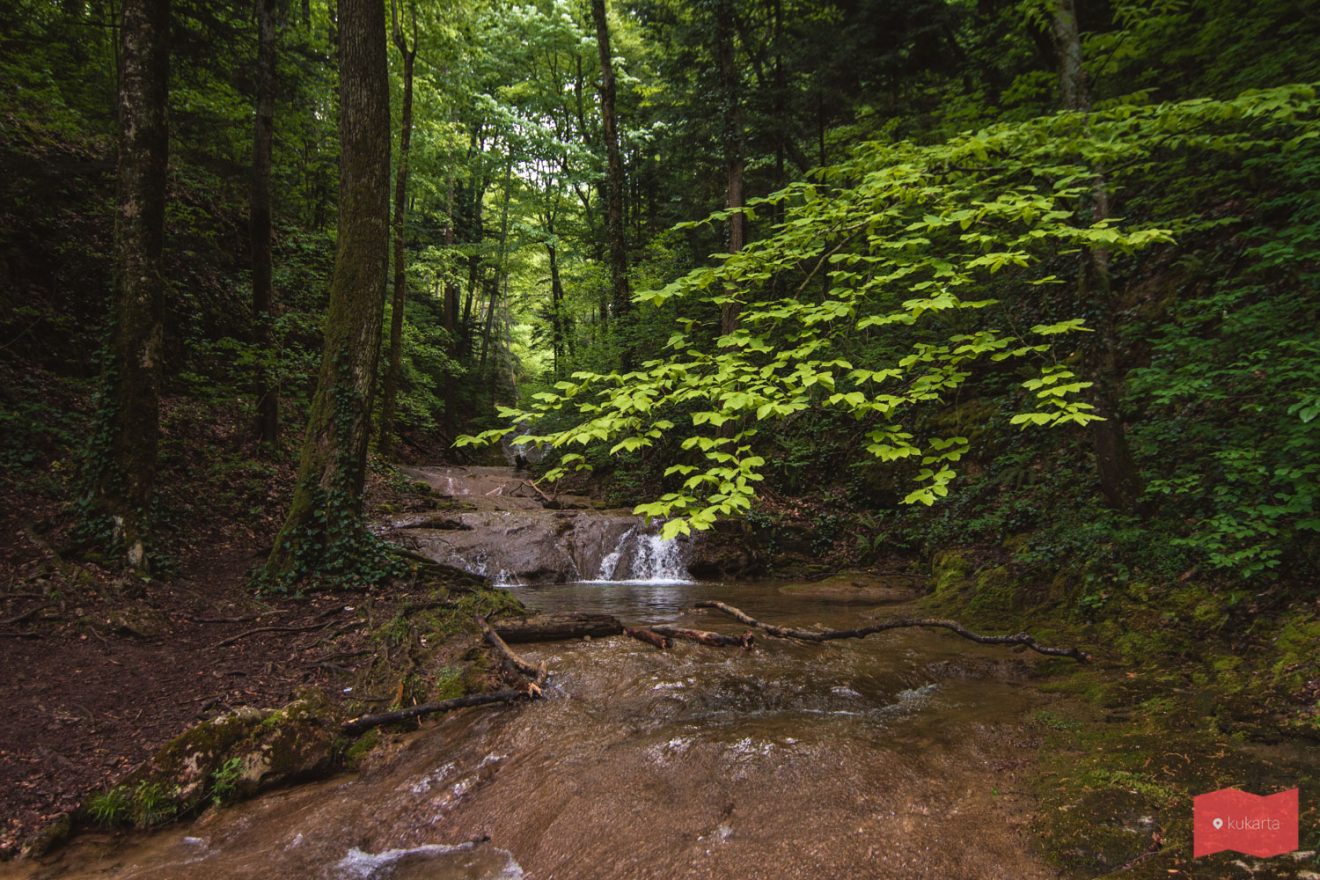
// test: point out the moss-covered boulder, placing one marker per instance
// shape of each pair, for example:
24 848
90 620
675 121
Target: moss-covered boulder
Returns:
233 756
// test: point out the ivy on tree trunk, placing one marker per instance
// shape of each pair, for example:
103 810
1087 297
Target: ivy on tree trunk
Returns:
323 532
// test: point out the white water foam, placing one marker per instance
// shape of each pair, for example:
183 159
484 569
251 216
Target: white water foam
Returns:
360 865
652 560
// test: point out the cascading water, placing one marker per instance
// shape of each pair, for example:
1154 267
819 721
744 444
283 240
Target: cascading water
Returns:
502 530
641 558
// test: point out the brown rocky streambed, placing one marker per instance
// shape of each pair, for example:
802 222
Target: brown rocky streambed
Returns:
909 754
897 756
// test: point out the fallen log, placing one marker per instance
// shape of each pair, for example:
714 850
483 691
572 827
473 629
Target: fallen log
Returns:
828 635
363 723
705 637
535 672
650 636
557 627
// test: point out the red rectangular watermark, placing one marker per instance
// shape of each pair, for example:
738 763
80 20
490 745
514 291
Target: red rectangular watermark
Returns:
1256 825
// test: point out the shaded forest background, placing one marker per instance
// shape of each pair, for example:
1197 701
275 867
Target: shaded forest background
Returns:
514 281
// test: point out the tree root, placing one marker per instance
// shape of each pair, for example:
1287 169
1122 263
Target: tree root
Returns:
322 620
808 635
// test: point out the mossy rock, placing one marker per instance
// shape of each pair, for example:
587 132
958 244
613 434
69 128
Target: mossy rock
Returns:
950 573
994 589
230 757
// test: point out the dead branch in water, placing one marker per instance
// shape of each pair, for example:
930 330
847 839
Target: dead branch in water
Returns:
536 673
704 637
651 637
363 723
828 635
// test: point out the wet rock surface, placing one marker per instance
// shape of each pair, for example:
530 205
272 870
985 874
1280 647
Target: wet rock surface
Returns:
499 526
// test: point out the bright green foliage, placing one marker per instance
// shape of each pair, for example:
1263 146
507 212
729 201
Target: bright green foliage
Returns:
880 292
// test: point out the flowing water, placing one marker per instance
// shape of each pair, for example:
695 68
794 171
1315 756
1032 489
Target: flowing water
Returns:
895 756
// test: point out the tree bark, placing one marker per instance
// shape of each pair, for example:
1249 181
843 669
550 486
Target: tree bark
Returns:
266 390
1120 483
325 518
394 369
501 268
557 627
621 300
133 375
732 139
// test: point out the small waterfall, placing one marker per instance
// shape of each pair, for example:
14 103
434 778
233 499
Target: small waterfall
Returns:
644 558
610 564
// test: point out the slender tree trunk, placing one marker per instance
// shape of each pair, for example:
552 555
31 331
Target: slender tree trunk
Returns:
395 367
266 391
614 220
732 138
1119 480
133 375
500 268
557 333
323 531
451 319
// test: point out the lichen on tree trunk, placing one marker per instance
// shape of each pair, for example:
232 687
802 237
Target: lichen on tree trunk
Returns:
126 462
323 533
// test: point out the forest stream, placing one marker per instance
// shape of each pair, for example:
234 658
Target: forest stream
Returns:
903 753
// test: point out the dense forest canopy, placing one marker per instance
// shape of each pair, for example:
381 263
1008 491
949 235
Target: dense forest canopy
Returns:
960 271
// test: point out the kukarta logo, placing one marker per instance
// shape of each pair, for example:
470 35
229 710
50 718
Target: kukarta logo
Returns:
1256 825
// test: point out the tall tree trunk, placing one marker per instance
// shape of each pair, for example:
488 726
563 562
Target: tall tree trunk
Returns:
500 267
732 139
323 531
1117 472
266 391
557 334
395 367
451 320
614 220
133 375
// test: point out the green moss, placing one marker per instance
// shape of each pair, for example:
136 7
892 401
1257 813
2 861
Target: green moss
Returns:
449 683
1297 658
950 573
358 749
994 591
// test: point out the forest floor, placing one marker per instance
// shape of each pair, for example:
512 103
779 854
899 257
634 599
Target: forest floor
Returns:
99 671
97 683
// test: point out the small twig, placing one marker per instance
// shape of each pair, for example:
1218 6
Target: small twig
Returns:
536 672
547 498
248 619
808 635
362 724
31 612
